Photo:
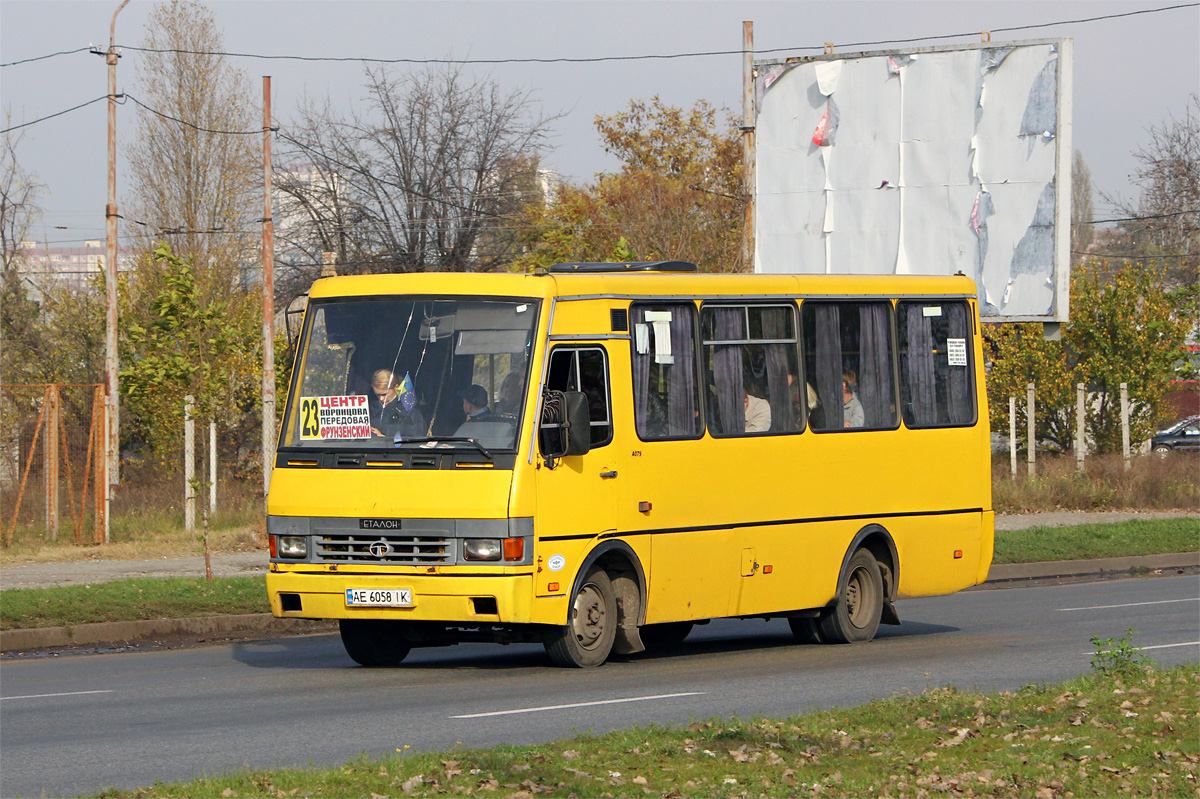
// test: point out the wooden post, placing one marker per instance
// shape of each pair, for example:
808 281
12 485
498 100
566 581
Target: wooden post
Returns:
1012 434
1080 433
1032 427
189 466
1125 424
748 123
53 431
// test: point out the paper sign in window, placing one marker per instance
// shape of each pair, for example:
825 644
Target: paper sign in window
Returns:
661 321
956 351
335 418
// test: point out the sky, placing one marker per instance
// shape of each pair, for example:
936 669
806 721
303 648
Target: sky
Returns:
1131 72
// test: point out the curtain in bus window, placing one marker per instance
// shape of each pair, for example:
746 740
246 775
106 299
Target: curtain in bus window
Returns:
827 371
875 366
919 367
729 413
780 363
960 376
665 402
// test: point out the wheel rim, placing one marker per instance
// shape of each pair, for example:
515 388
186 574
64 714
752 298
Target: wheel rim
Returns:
859 597
590 617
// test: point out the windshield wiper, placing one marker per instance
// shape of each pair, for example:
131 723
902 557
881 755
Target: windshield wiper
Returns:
445 439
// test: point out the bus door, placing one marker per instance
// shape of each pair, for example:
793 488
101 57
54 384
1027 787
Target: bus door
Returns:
575 496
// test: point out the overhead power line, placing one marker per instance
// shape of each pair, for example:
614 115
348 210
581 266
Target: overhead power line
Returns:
137 102
1143 218
52 116
640 57
48 55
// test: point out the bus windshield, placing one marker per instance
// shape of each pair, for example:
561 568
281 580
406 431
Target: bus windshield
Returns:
397 372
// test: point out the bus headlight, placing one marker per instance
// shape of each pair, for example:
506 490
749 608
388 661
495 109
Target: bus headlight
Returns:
293 546
482 549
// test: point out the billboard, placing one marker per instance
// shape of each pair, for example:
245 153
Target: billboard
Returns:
929 161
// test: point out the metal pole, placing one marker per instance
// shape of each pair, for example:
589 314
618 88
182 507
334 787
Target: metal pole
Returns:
101 458
1080 433
748 123
1029 418
189 466
53 428
1125 424
268 291
1012 434
112 442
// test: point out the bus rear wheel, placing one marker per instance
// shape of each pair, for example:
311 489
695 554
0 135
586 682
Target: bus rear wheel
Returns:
375 643
856 615
587 638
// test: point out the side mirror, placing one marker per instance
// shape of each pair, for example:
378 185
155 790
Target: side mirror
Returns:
566 427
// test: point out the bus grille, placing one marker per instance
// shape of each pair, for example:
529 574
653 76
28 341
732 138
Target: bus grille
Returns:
404 549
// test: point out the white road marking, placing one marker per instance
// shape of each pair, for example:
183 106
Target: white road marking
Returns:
44 696
576 704
1159 646
1135 604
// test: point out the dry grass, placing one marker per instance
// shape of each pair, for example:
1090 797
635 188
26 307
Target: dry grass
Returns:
147 519
1152 483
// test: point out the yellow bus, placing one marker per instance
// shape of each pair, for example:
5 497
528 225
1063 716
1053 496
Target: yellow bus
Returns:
598 456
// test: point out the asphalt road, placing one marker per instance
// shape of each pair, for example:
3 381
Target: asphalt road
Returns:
79 724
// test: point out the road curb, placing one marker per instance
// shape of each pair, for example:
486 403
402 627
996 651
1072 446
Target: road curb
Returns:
124 633
264 625
1012 572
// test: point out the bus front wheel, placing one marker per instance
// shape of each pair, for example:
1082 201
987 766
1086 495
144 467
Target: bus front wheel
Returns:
859 606
587 638
374 642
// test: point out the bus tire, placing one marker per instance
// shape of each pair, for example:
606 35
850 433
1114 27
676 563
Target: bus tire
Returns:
587 638
807 630
666 635
375 643
855 616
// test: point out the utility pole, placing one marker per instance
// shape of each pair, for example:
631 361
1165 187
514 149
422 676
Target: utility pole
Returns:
268 290
111 361
748 123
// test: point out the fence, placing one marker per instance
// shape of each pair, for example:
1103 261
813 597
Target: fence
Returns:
52 468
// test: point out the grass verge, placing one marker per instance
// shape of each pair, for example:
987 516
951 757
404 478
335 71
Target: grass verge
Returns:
130 600
1151 483
1133 734
1084 541
177 598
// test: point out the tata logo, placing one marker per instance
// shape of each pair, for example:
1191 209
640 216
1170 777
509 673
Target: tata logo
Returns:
379 524
380 549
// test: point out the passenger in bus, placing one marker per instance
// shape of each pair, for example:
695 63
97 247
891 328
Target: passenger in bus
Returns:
509 401
475 404
852 409
387 408
758 414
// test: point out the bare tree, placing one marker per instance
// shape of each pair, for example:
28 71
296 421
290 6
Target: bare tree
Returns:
418 180
196 181
1166 217
19 190
1082 232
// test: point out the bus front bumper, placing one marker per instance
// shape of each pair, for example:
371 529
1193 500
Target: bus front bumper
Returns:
500 599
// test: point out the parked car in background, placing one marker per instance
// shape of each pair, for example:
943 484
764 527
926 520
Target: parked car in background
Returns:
1183 435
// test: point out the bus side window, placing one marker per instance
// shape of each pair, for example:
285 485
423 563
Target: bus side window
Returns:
848 361
936 379
752 381
586 370
665 389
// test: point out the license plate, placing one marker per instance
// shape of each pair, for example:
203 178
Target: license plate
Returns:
380 597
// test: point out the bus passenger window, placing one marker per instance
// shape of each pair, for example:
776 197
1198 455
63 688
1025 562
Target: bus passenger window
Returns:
750 367
584 370
936 380
665 390
848 363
